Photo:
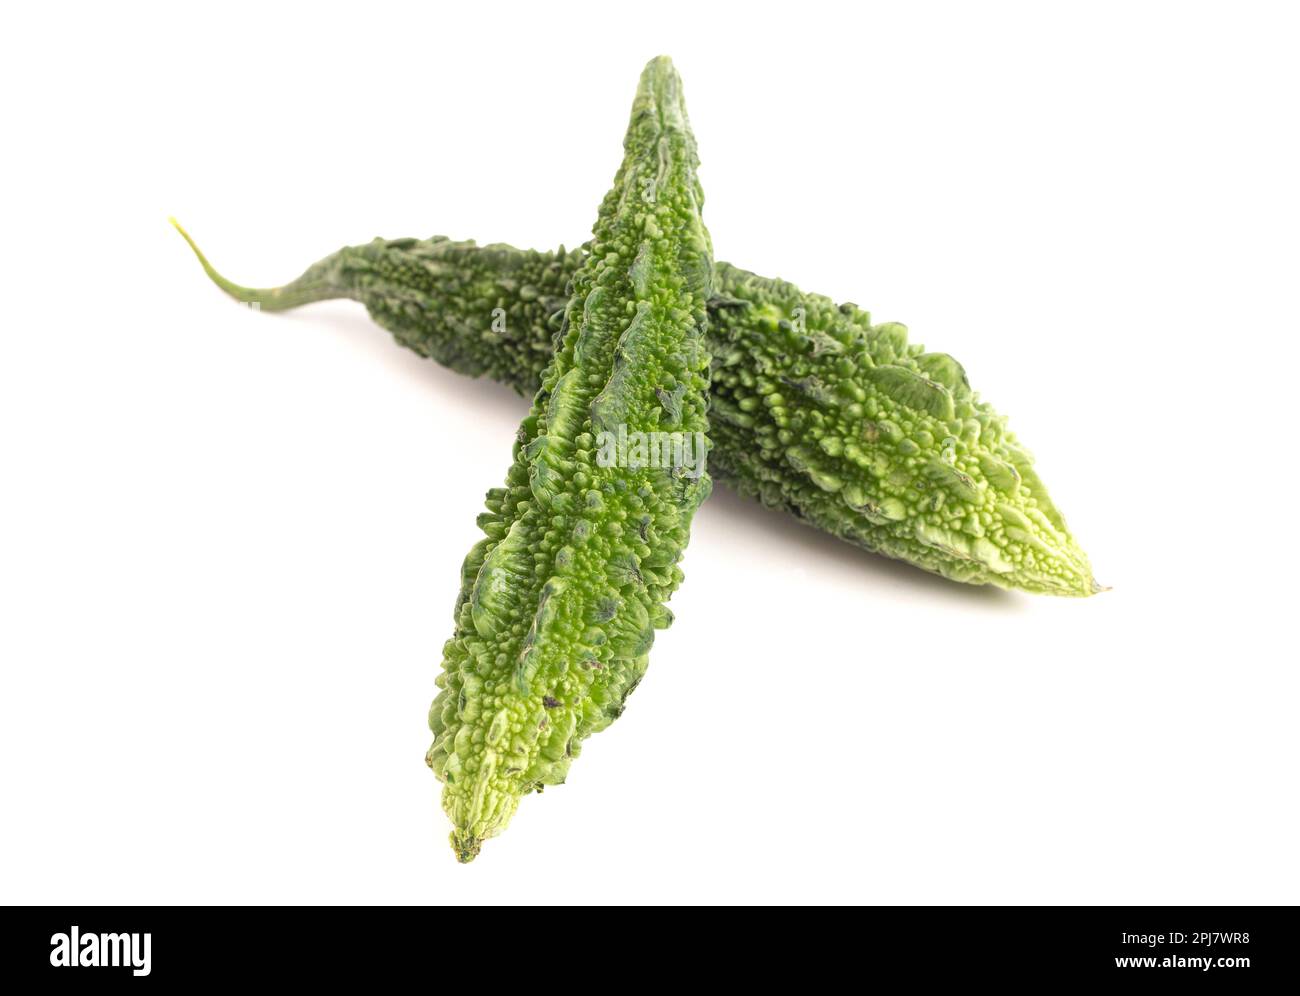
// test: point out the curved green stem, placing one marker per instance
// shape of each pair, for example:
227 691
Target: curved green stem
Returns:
314 285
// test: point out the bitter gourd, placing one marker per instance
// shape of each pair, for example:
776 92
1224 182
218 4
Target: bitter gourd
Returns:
560 600
817 412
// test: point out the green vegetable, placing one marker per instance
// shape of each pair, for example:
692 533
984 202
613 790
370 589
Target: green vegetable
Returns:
816 411
560 600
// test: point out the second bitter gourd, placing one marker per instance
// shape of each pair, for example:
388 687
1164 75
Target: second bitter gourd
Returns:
560 600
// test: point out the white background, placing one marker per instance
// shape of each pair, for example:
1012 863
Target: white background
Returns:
229 542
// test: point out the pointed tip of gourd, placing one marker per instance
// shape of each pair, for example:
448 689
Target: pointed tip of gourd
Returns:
660 75
466 846
1084 586
660 92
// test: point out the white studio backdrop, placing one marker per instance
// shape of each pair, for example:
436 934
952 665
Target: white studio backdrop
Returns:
230 541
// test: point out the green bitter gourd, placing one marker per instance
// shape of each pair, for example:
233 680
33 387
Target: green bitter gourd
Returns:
817 412
560 600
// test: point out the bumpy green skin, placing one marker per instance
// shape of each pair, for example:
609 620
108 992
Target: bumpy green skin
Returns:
560 600
816 411
872 439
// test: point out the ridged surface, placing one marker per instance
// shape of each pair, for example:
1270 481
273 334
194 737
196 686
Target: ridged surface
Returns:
846 424
561 598
816 412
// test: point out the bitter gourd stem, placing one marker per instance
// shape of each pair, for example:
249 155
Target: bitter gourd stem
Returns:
304 290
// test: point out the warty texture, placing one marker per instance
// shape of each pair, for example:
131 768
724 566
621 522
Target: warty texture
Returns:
561 598
846 425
